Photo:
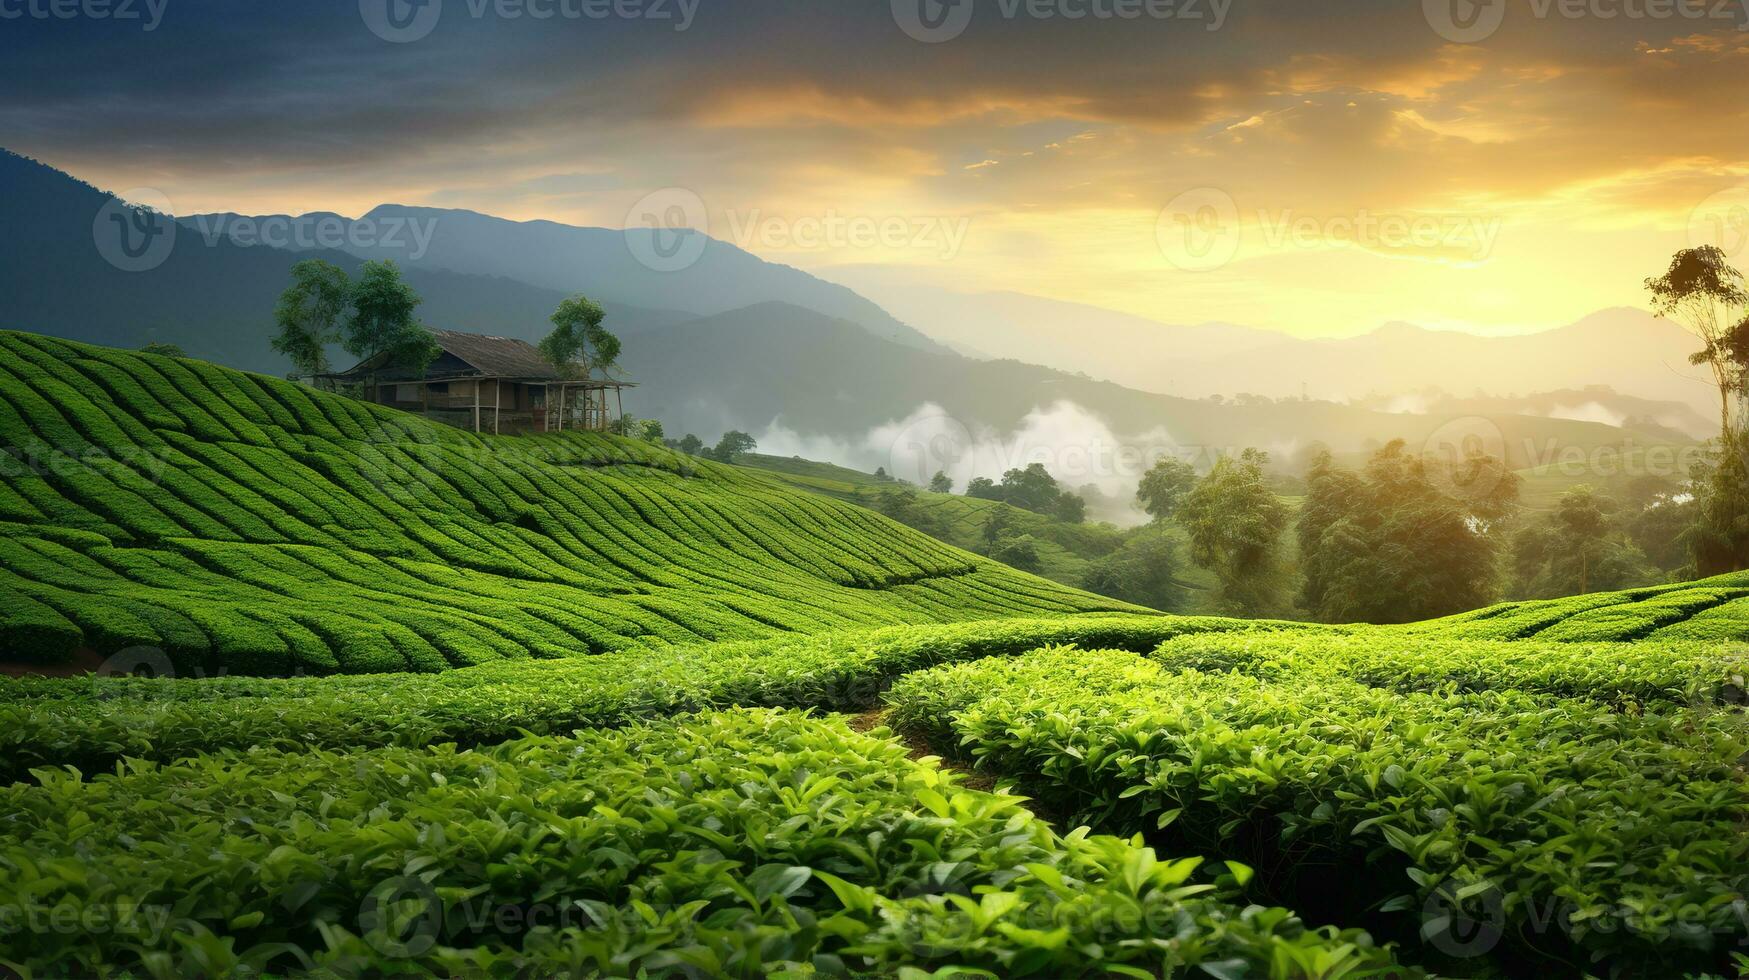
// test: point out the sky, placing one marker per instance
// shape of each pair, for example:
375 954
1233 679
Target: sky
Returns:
1316 168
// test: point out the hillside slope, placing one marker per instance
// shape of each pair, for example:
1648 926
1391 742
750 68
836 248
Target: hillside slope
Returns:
248 525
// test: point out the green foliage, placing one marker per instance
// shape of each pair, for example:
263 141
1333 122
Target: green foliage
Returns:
690 444
1032 488
729 844
248 525
1235 522
733 444
1718 538
381 320
163 350
578 343
901 504
1165 486
1601 838
1143 571
1020 552
92 723
308 314
1578 547
1388 546
940 483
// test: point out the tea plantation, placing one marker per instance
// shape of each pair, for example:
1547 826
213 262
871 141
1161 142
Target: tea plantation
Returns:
695 727
251 526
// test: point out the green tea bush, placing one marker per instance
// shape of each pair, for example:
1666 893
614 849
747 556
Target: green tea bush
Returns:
727 844
93 723
1584 834
1689 672
566 544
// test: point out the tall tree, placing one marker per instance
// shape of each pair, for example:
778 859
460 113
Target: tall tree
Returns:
940 483
308 314
382 320
1235 522
1578 547
1164 485
733 443
1143 571
578 343
1702 292
1387 546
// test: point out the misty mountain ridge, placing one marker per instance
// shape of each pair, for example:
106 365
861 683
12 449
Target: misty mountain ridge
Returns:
599 262
1623 348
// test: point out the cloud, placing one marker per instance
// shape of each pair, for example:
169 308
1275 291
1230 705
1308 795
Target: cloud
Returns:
1075 445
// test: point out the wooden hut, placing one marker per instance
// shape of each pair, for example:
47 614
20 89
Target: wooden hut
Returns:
487 384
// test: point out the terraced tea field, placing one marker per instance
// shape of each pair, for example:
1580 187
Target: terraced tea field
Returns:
248 525
695 718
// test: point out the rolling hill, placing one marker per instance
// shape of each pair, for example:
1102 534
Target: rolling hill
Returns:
248 525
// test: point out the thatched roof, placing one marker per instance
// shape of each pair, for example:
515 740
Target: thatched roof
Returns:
497 357
464 356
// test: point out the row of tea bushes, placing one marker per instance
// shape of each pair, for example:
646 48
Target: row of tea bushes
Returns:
93 723
726 844
1580 833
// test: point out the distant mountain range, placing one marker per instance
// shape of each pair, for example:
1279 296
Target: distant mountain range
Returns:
1626 349
599 262
735 342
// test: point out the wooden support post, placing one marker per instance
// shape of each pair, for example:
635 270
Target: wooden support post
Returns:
476 404
497 402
